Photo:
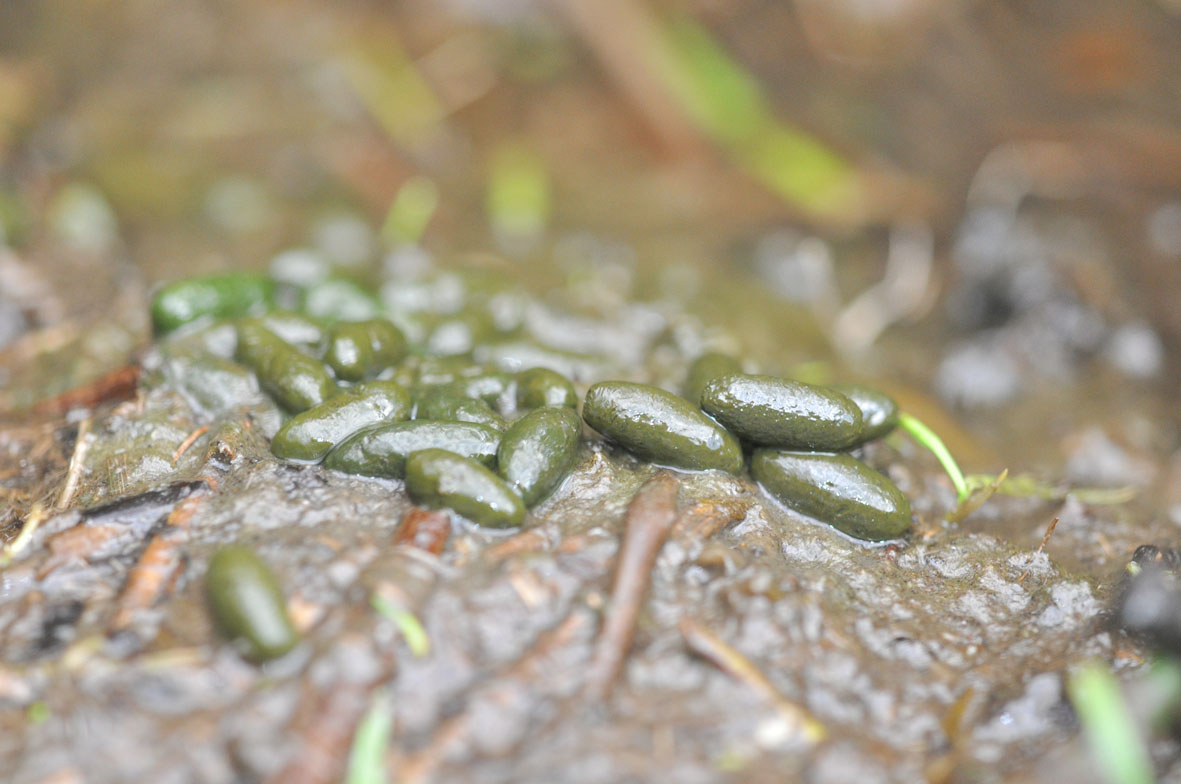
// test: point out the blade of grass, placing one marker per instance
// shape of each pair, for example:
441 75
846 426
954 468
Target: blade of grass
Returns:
411 211
518 199
1029 486
927 438
976 498
1111 732
407 622
367 755
729 105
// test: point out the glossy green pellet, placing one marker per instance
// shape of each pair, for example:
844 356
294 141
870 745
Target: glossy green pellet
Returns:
298 382
468 378
879 412
220 296
441 479
770 411
247 603
660 427
382 450
445 404
705 369
837 489
309 436
295 328
211 383
339 299
539 387
538 451
360 349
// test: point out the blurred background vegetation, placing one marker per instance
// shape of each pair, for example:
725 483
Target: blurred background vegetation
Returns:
144 141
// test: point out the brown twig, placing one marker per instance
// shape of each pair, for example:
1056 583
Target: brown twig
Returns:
188 442
325 726
424 529
702 641
1041 547
703 520
528 669
77 544
530 541
158 567
649 518
117 385
74 472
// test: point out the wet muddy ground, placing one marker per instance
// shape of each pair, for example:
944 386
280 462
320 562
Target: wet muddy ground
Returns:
1034 326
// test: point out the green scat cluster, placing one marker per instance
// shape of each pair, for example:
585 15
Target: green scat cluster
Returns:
439 383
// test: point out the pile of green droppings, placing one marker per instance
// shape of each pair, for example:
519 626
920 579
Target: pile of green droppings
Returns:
388 387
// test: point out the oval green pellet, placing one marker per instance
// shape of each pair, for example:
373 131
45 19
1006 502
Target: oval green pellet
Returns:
211 383
837 489
705 369
445 404
222 296
382 450
360 349
879 412
538 451
298 382
770 411
247 603
339 299
309 435
441 479
295 328
660 427
537 387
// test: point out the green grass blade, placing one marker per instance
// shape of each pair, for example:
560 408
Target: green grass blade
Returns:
926 437
367 755
1110 730
408 624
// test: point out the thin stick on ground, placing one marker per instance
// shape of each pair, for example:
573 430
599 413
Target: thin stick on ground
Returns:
424 529
33 520
702 641
528 669
1041 547
703 520
117 385
188 442
650 517
158 568
74 472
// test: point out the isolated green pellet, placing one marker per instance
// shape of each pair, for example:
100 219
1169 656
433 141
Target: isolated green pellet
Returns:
879 412
309 435
835 488
538 451
445 404
441 479
247 603
361 349
220 296
539 387
705 369
296 380
382 450
660 427
770 411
